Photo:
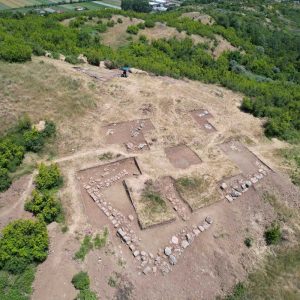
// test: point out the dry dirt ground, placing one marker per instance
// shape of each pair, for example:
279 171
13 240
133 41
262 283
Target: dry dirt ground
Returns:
82 107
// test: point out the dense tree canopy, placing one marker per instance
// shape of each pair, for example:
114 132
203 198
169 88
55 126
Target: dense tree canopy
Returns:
265 66
23 239
136 5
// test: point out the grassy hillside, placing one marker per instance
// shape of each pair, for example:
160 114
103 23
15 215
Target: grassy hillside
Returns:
265 67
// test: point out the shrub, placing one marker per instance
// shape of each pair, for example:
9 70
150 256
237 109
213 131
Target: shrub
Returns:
50 129
44 205
142 38
86 295
16 265
238 292
72 59
5 180
11 155
55 55
149 23
24 239
248 242
132 29
101 27
14 50
81 281
120 21
49 177
273 234
33 140
141 25
38 50
110 23
93 58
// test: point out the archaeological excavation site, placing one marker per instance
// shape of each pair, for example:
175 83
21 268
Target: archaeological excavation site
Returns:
170 184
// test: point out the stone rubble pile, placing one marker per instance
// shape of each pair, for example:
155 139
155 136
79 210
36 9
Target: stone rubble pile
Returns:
137 130
176 203
235 191
203 114
103 184
207 126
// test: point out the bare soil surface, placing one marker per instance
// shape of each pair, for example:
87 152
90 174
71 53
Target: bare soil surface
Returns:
201 116
130 133
182 156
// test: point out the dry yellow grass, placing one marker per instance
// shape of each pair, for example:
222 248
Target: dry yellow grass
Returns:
198 192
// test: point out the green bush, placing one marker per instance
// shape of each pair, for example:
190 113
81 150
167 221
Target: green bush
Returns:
23 239
110 23
5 180
33 140
141 25
81 281
239 292
273 234
119 20
149 23
72 59
49 130
49 177
86 295
132 29
16 265
248 242
14 50
93 58
44 206
16 286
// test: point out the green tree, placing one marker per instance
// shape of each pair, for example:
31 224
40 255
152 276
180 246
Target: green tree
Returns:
49 177
136 5
44 205
33 140
5 180
24 239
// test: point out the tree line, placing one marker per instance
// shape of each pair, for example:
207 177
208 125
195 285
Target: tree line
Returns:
269 81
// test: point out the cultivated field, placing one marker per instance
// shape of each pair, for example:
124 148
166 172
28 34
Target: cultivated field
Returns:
139 158
20 4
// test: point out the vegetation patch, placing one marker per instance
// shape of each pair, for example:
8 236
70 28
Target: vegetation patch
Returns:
270 282
81 282
273 234
196 191
292 158
43 202
49 177
152 208
106 156
23 244
16 142
89 243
